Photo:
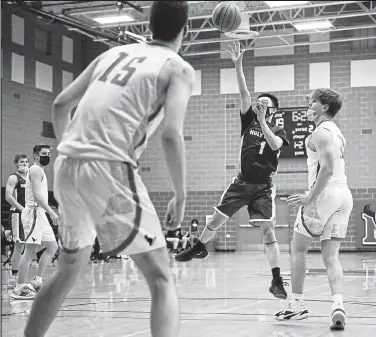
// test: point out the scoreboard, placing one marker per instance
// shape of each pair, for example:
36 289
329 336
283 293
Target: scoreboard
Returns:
297 127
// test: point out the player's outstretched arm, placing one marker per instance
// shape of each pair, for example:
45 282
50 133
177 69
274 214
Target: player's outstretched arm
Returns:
237 57
179 91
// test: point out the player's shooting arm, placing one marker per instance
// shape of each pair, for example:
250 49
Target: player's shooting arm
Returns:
178 94
69 98
245 96
36 176
275 142
9 190
323 142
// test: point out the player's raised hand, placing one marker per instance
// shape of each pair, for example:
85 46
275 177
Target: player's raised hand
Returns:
235 52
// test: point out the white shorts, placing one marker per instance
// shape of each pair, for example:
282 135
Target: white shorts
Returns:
107 200
17 227
329 216
36 226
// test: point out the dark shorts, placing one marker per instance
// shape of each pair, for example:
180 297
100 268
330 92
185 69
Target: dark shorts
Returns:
17 226
258 197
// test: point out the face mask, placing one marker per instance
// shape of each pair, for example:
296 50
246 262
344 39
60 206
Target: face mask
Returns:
23 169
44 160
312 114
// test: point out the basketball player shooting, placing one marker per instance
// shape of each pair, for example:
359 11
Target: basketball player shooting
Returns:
324 210
122 96
261 145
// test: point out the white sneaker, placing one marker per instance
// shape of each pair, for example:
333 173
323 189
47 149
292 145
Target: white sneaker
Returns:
12 282
293 312
338 319
36 284
23 293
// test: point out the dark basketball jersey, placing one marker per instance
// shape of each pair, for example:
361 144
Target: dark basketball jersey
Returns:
176 233
19 190
258 161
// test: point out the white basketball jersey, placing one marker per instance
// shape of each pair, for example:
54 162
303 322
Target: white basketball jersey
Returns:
119 111
29 196
339 144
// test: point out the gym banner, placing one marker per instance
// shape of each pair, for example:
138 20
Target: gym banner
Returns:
365 224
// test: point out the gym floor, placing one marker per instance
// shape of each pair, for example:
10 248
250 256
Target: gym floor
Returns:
224 295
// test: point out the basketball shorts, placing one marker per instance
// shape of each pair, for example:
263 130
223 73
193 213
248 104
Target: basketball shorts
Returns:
17 226
36 226
258 197
328 217
107 200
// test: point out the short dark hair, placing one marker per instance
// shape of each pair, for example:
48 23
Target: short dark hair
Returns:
194 221
329 97
272 97
20 156
167 19
37 148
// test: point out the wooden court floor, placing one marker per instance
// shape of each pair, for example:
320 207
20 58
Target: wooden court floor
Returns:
225 295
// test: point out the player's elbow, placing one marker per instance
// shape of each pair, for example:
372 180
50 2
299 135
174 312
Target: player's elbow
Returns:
171 135
327 169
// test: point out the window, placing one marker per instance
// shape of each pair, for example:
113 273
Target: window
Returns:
43 41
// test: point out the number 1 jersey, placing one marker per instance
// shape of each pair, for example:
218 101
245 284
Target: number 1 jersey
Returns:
257 160
120 109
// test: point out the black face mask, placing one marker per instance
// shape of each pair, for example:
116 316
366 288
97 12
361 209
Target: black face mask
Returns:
44 160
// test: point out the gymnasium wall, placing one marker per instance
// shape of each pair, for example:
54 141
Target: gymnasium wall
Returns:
212 125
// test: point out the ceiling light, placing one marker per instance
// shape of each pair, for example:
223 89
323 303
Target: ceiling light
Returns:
312 25
114 19
273 4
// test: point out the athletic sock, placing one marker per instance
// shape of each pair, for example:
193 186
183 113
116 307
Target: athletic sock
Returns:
276 273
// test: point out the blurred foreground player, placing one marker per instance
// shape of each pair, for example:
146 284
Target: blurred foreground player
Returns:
124 95
324 210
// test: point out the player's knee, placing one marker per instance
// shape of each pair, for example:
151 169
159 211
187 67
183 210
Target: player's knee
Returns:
51 248
268 233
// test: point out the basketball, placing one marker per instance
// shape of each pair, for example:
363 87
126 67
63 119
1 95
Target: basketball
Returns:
226 17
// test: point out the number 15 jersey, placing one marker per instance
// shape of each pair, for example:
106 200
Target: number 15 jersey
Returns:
120 109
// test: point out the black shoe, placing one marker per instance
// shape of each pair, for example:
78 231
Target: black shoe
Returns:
277 288
198 251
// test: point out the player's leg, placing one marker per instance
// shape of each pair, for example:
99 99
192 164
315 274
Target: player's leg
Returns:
17 234
233 199
334 231
261 211
308 224
49 242
131 223
33 237
165 313
48 301
23 290
76 237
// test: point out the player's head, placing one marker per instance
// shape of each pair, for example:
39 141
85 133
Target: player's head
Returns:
271 102
324 102
42 154
21 160
194 223
168 21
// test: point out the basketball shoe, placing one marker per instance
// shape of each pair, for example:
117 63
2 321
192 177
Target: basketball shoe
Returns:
198 251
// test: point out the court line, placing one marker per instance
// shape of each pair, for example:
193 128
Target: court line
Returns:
222 311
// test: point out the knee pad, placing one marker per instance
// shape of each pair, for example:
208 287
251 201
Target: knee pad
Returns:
269 236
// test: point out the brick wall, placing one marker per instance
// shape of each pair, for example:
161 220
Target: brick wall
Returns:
212 123
212 135
25 107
